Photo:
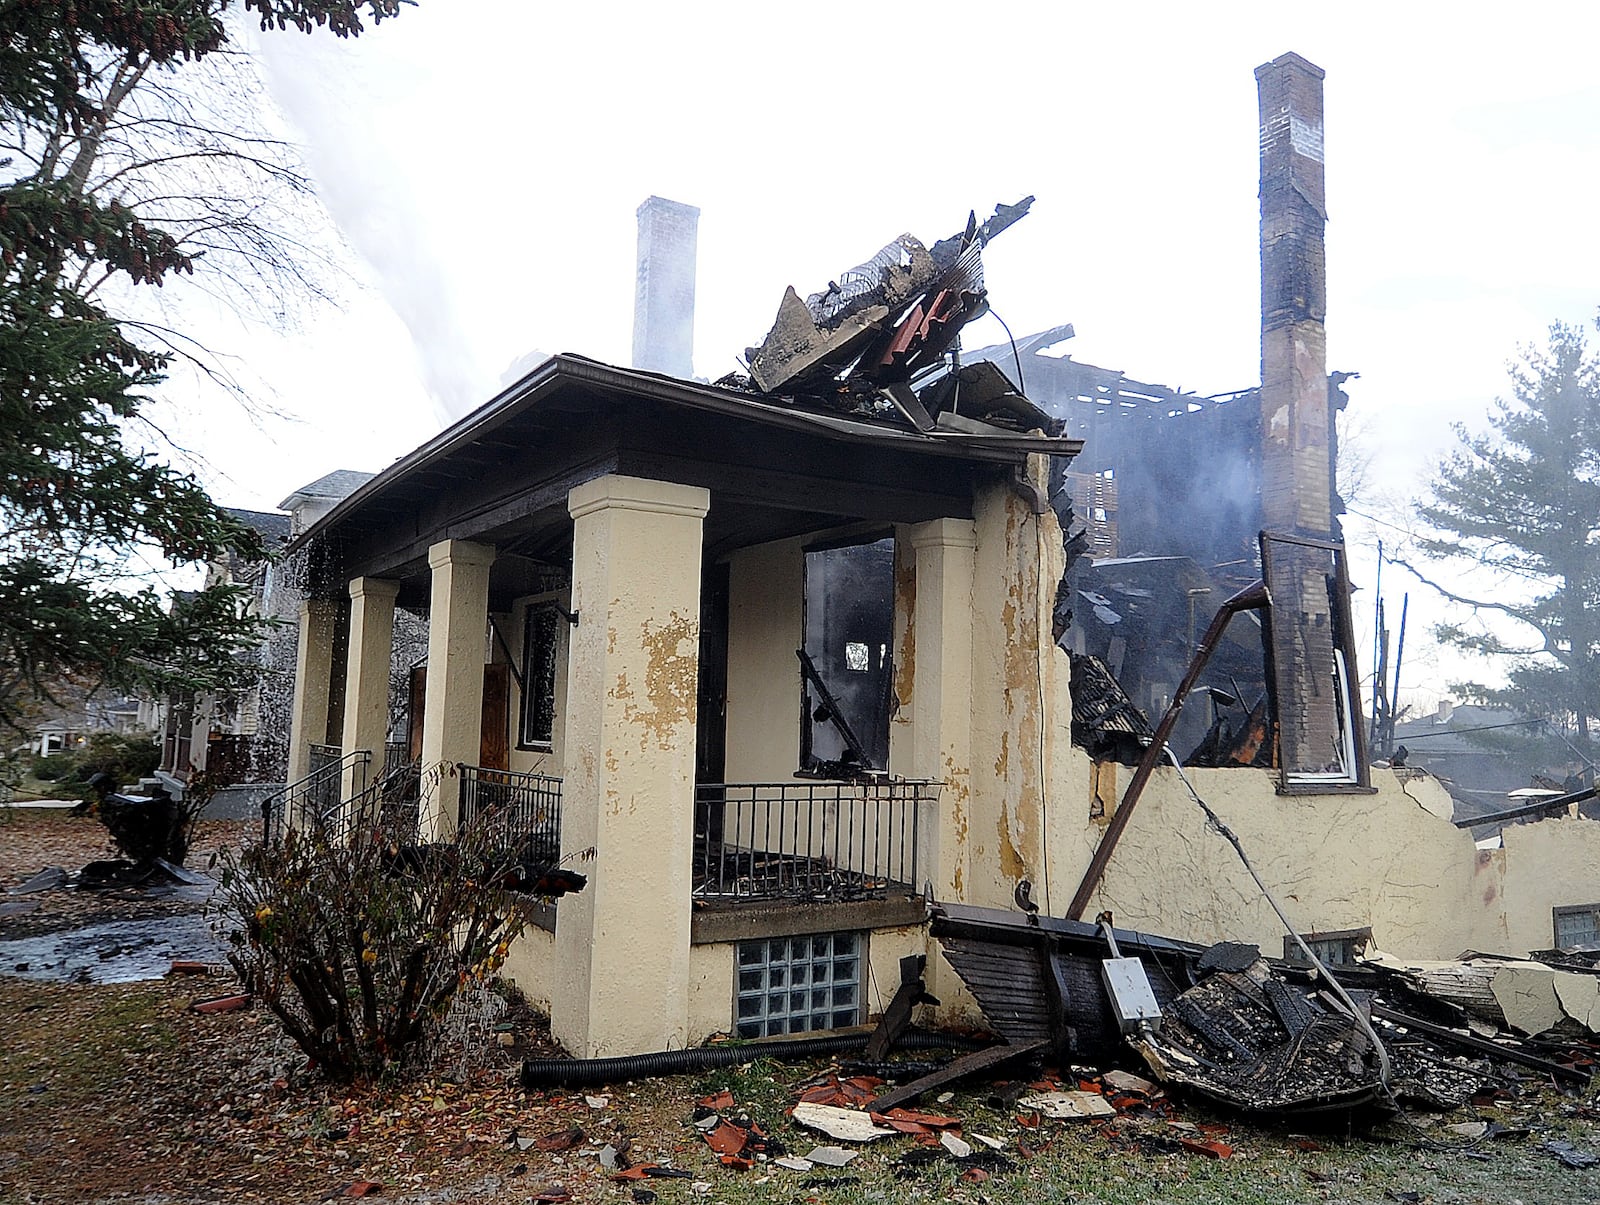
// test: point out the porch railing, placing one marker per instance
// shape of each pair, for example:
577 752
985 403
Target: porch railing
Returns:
390 805
522 810
314 799
396 756
819 841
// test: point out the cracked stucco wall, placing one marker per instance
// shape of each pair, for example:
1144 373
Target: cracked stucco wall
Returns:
1020 699
1386 860
1543 866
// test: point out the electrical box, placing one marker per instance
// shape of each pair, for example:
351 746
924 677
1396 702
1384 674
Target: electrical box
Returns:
1131 998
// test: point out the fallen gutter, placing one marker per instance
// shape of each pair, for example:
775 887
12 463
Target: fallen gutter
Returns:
575 1073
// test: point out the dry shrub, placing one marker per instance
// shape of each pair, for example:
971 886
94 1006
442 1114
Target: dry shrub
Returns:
359 942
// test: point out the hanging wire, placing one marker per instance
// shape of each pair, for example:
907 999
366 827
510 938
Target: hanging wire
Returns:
1015 354
1326 975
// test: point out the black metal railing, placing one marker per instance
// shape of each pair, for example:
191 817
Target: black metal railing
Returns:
397 756
313 801
390 805
522 811
809 840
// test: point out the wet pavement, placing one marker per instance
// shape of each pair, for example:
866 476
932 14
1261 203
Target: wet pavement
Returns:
114 952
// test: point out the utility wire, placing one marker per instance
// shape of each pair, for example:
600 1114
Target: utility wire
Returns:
1425 736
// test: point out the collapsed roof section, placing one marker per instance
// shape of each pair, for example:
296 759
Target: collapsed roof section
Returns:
873 342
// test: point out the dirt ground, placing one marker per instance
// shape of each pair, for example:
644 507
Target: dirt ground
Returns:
31 840
120 1092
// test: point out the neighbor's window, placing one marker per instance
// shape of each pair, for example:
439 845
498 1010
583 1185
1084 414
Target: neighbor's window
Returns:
1336 949
1577 926
798 984
541 643
848 675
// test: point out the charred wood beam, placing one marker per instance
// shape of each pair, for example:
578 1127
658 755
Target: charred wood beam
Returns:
958 1069
1016 928
897 1017
1479 1045
835 714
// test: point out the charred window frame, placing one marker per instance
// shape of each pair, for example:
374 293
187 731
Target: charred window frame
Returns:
1575 925
1336 947
1309 638
543 628
847 669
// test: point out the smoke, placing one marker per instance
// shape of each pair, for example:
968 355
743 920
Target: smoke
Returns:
318 91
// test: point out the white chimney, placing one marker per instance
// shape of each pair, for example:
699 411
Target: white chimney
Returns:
663 304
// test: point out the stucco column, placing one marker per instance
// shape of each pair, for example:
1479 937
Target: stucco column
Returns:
313 665
366 678
941 701
622 944
452 703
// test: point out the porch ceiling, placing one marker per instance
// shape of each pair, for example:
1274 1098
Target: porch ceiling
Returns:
502 475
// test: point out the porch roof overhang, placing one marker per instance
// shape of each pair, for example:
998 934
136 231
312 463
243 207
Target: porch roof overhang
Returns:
774 467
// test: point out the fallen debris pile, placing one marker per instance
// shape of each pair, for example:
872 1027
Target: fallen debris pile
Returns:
1266 1036
863 345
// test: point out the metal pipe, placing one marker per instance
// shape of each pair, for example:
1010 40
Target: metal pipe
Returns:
1253 597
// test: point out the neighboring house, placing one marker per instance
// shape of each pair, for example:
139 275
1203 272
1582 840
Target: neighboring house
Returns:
241 737
1489 758
73 722
310 502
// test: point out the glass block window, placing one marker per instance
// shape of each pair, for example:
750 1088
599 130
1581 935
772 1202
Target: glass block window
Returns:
790 985
1579 926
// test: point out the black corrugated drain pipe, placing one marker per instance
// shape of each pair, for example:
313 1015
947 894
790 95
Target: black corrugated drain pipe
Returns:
585 1073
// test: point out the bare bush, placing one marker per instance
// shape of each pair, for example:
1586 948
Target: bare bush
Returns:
359 945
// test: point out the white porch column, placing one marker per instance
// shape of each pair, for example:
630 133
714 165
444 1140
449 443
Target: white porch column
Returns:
313 666
452 703
366 677
941 704
622 944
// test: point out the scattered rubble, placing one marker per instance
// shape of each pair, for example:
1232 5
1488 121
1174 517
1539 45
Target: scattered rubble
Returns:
1069 1106
1267 1036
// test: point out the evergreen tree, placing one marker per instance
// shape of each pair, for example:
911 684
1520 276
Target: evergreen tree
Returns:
80 506
1523 502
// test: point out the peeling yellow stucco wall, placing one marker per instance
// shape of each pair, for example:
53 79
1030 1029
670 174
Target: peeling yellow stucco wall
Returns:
1018 687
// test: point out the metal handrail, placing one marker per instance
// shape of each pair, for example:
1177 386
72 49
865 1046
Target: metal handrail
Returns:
318 795
390 804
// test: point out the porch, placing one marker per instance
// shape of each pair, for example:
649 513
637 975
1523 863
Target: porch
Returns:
610 666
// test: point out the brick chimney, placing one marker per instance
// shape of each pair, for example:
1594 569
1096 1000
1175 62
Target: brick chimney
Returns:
1296 429
1297 468
663 304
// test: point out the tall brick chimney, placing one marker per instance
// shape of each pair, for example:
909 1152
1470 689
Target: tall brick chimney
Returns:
663 304
1297 472
1297 451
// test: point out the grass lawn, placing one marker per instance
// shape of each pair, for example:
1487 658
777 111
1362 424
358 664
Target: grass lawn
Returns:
112 1092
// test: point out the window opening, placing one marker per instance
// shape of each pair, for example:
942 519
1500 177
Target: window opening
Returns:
847 672
541 643
1336 948
798 984
1577 926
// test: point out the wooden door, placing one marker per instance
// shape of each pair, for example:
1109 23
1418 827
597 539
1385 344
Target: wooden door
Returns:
494 745
419 687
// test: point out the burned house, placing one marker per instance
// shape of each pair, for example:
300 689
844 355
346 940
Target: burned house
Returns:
781 657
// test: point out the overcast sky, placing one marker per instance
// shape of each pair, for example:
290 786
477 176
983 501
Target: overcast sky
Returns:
483 160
